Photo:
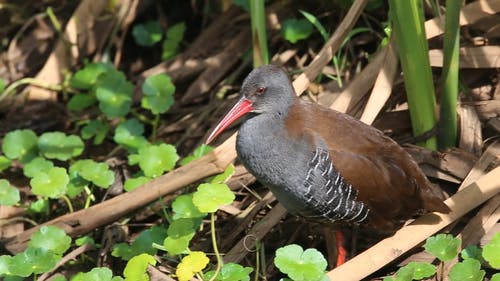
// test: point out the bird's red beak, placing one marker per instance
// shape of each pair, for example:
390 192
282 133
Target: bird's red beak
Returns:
242 107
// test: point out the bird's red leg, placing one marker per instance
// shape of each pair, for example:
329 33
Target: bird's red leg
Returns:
341 250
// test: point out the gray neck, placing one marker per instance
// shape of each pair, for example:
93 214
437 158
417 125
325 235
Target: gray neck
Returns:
270 154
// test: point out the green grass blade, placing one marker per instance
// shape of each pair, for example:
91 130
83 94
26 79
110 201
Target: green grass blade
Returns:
448 114
259 38
408 21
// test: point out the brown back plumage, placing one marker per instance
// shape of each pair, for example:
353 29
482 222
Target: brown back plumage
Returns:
389 181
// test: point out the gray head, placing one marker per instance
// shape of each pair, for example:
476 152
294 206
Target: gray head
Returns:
266 90
269 90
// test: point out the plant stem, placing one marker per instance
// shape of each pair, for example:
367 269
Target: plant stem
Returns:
214 244
156 121
259 38
32 81
68 202
408 21
448 112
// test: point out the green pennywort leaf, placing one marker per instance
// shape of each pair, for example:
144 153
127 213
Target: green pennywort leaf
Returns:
52 239
184 208
200 151
190 265
37 165
86 77
52 184
231 272
158 93
114 93
210 196
96 274
467 270
147 34
443 246
97 129
57 145
294 30
142 244
129 135
491 251
136 267
9 195
174 37
300 265
20 144
97 173
154 160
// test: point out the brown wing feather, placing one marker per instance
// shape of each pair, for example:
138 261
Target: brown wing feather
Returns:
384 173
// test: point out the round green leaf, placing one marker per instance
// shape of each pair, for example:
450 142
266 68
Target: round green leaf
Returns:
472 252
8 195
86 77
97 173
158 93
495 277
147 34
79 102
224 177
179 234
37 165
20 144
491 251
294 30
421 270
96 274
133 183
52 239
443 246
467 270
129 135
184 207
114 93
57 145
96 128
154 160
76 184
300 265
210 196
33 260
191 264
52 184
39 206
170 45
177 246
231 272
200 151
4 264
142 244
4 163
136 267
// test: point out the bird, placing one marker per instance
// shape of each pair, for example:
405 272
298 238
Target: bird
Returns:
322 164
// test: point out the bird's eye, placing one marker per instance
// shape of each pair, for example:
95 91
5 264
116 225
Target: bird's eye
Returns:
260 90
